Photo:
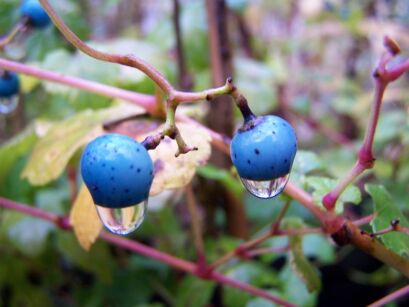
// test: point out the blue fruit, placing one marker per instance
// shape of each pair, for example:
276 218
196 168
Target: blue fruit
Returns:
117 170
9 84
264 148
37 16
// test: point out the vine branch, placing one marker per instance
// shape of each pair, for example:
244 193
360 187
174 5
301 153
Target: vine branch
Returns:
175 97
365 160
144 250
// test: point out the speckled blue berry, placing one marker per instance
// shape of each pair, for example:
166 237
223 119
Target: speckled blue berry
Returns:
264 148
9 84
117 170
37 16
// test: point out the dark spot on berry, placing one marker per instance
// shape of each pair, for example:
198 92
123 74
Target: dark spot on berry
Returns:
257 151
94 158
150 173
137 150
272 167
126 190
116 150
94 188
112 178
112 168
131 166
103 164
114 189
283 124
248 161
274 132
285 160
235 156
138 170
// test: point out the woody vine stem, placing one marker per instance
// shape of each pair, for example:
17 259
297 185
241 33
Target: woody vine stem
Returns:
341 229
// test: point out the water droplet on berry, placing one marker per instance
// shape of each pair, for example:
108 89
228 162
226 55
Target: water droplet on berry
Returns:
122 221
8 104
267 188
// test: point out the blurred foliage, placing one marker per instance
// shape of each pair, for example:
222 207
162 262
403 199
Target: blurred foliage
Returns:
310 61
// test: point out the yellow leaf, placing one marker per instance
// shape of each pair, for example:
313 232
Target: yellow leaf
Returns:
28 83
172 172
52 152
84 219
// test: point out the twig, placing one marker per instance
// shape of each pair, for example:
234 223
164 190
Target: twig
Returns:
127 60
366 159
142 249
391 297
20 27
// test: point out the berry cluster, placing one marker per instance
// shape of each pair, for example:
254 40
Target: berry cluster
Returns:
118 171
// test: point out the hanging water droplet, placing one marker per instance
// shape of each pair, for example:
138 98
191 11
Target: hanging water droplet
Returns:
8 104
16 49
267 188
122 221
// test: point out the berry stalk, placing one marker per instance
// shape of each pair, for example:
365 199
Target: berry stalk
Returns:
383 76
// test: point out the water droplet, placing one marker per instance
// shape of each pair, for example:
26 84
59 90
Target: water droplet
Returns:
8 104
122 221
267 188
16 49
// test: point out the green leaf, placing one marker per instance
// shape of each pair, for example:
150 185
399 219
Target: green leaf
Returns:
29 235
255 80
16 147
305 162
193 291
299 263
260 302
98 260
294 289
385 211
318 246
251 272
323 185
390 126
52 153
210 171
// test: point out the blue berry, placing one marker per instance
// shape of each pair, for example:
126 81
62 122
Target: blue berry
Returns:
9 84
117 170
264 148
37 16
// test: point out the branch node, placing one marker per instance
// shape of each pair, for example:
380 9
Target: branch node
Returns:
391 45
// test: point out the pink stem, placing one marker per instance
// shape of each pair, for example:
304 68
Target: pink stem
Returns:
145 101
391 297
147 251
32 211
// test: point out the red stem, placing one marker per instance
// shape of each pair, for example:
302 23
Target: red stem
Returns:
145 101
147 251
391 297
